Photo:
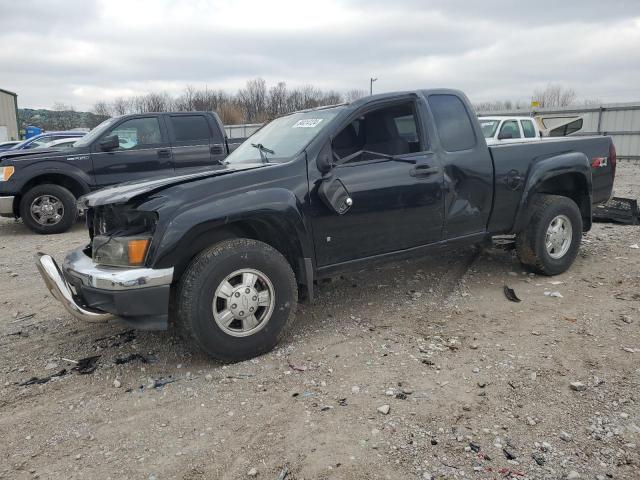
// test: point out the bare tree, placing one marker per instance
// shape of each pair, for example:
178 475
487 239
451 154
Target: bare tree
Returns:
64 117
252 100
355 94
555 96
277 100
121 106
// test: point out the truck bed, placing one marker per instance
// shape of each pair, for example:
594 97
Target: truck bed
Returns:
512 162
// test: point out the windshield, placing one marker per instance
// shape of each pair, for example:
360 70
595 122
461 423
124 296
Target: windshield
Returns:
283 138
95 133
489 127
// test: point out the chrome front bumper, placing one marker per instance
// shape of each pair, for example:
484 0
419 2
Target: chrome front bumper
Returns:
81 273
6 206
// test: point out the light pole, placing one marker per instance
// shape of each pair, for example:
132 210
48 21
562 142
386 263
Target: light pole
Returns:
371 80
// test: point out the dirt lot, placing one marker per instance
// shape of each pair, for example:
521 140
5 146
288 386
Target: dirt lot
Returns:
477 386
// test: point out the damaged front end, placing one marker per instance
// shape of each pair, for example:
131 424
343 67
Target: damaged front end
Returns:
108 278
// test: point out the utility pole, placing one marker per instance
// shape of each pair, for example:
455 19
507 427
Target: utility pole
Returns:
371 80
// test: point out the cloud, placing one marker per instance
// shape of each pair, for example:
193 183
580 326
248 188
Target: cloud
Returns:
87 51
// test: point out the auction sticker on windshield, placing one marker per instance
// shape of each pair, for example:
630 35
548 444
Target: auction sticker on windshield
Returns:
307 123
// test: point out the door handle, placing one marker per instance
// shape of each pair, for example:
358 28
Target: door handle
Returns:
164 153
423 171
216 149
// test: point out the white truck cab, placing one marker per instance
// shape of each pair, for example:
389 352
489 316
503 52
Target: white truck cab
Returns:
498 130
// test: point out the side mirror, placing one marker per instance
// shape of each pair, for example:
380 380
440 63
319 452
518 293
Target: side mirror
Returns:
335 195
110 142
324 161
504 135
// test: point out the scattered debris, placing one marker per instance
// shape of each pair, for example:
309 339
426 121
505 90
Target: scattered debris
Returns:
130 358
556 294
283 473
474 446
384 409
573 475
23 317
635 245
539 458
253 472
511 294
299 368
509 455
509 472
578 386
626 318
618 210
565 436
87 365
42 380
116 383
116 340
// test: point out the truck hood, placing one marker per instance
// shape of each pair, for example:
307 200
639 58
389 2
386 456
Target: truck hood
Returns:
9 155
124 192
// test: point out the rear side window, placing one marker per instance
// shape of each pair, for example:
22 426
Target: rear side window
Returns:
528 129
453 123
190 128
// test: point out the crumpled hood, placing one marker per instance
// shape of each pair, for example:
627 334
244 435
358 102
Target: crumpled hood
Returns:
124 192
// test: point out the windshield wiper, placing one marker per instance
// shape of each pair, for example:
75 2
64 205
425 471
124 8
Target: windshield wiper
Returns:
263 151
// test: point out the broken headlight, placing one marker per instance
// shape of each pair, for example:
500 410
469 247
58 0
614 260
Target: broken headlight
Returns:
121 236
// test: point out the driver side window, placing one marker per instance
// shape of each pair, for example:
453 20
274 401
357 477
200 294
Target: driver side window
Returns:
138 132
390 130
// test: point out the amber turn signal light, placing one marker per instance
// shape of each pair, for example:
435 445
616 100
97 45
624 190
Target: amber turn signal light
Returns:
6 172
137 249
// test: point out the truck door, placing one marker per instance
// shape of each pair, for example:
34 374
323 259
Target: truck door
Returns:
193 142
143 152
468 168
397 203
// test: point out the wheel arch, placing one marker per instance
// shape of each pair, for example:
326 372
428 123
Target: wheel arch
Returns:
75 185
567 175
274 219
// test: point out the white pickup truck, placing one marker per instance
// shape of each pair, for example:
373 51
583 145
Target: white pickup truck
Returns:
498 130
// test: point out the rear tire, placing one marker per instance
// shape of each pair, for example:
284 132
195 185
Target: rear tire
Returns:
236 299
48 209
550 242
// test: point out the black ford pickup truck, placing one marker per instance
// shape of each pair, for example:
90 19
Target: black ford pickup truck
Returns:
317 192
41 186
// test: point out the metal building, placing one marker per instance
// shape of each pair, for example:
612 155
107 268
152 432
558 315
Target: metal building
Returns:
8 115
619 120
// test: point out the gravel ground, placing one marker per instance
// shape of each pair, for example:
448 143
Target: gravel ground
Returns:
419 369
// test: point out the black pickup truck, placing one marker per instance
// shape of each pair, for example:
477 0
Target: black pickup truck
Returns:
317 192
42 185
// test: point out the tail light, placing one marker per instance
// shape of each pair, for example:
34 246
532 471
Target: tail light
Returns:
612 159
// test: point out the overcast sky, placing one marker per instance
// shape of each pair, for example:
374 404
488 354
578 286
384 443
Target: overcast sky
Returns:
80 51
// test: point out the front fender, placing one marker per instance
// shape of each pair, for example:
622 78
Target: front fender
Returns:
25 174
277 208
545 169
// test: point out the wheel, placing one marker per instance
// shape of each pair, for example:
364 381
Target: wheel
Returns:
48 208
236 299
549 243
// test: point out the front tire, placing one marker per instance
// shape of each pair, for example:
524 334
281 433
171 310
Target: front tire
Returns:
237 298
48 209
550 242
